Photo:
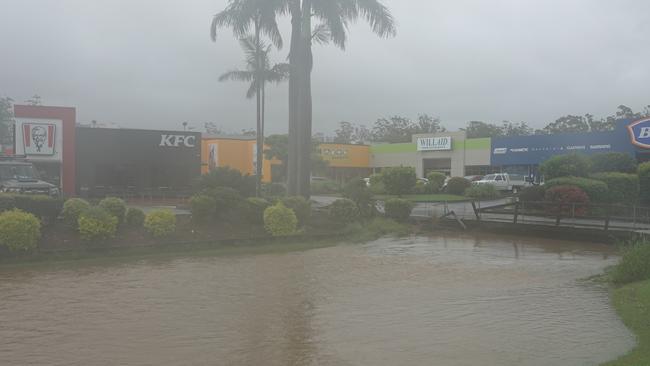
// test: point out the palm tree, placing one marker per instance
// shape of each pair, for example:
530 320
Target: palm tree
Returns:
240 15
333 18
258 72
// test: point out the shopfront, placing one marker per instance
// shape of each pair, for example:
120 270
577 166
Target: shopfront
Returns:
136 162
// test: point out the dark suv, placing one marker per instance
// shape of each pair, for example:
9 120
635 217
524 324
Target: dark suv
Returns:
18 176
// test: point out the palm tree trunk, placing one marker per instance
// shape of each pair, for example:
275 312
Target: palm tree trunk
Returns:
260 133
294 100
306 102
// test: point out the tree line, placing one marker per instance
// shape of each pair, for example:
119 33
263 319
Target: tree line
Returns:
399 129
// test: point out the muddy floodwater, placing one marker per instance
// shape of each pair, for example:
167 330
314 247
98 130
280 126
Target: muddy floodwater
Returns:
419 301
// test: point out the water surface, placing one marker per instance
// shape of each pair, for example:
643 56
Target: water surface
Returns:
419 301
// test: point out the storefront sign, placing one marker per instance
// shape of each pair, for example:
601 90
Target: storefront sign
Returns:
434 143
640 133
334 153
177 141
40 139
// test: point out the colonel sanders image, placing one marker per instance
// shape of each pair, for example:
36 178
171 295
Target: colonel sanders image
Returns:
39 136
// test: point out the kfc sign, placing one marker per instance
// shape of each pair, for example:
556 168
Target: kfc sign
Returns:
640 133
39 138
177 141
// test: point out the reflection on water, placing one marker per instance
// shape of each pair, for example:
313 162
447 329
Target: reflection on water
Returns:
439 300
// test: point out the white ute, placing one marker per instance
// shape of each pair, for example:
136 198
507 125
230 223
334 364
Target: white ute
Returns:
505 181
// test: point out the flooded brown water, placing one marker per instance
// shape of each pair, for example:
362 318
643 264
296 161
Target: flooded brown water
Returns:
417 301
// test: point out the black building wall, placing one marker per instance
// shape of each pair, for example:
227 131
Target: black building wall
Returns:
136 160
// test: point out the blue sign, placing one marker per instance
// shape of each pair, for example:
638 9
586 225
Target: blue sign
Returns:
533 150
640 133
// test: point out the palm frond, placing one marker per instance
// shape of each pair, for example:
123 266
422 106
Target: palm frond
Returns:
321 34
278 73
252 90
237 75
378 16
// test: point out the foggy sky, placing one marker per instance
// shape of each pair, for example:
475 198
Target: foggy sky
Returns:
151 64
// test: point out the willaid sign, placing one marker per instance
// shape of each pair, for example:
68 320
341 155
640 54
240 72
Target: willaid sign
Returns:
640 133
434 143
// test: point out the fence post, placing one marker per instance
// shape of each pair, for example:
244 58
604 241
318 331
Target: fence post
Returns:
514 221
476 213
607 215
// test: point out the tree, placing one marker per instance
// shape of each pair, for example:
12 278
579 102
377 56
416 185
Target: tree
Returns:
427 124
395 129
34 100
345 133
479 129
212 129
333 18
516 129
278 148
240 16
567 124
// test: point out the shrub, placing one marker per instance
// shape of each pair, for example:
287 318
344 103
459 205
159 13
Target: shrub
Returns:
226 199
300 206
253 209
160 223
114 206
42 206
7 202
203 207
436 181
358 191
274 189
399 180
377 185
575 200
325 187
613 162
19 230
458 185
482 192
96 223
227 177
398 209
595 189
280 220
532 194
634 265
72 209
571 165
134 217
421 187
343 211
623 188
644 182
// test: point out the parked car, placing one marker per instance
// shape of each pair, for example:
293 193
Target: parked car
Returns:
504 181
474 178
20 176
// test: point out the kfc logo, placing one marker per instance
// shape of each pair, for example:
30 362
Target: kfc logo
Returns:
38 138
177 141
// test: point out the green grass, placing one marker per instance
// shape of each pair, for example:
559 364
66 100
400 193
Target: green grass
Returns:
426 197
632 302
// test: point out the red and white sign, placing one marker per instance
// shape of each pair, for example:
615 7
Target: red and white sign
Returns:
39 138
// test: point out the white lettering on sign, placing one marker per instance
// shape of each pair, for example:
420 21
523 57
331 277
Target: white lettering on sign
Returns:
600 147
500 150
576 147
177 141
644 133
434 143
520 149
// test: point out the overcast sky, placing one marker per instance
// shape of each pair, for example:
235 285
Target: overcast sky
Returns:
151 64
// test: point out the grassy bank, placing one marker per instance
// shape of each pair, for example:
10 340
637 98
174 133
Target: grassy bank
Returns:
632 303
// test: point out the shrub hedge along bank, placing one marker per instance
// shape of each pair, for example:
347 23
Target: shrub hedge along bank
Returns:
482 192
134 217
44 207
280 220
301 208
72 209
623 188
596 190
613 162
97 223
344 211
644 182
458 185
399 180
160 223
398 209
575 198
19 230
436 181
571 165
253 208
203 207
114 206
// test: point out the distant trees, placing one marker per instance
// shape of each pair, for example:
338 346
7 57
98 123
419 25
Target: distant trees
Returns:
398 129
349 133
479 129
6 120
587 123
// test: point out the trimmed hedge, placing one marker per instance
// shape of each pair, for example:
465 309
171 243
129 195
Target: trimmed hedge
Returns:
458 185
226 199
644 182
398 209
203 207
613 162
19 230
623 188
358 191
436 181
532 194
483 192
595 189
575 198
634 265
96 223
344 211
72 209
280 220
114 206
43 207
160 223
227 177
301 208
399 180
252 209
134 217
570 165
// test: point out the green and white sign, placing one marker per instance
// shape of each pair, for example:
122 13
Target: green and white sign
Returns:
434 143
